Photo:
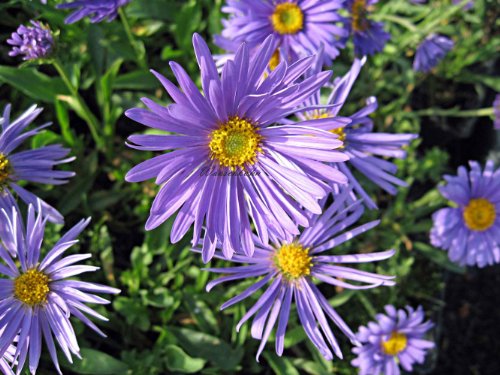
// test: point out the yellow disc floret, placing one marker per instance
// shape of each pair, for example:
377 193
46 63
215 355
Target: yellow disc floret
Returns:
395 344
275 60
235 143
287 18
359 21
293 260
339 131
32 287
5 169
479 214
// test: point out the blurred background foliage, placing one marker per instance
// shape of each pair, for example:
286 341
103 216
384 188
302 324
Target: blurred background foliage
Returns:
164 321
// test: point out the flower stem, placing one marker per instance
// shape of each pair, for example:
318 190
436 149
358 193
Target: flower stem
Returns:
140 58
81 107
454 112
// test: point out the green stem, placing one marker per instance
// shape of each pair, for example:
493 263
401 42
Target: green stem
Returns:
366 303
126 26
399 20
86 113
482 112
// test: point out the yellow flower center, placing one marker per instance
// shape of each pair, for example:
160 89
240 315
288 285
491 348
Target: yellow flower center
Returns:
235 143
396 344
293 260
275 60
479 214
5 169
287 18
358 12
32 287
339 131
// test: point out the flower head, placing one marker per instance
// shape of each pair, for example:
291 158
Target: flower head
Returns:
97 10
32 42
431 51
394 339
289 267
470 231
496 111
369 36
362 144
264 171
29 165
300 27
37 297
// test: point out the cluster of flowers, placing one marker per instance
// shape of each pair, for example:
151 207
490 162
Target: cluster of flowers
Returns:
260 109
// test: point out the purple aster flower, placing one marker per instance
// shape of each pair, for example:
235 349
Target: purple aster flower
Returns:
97 10
33 42
300 27
470 230
7 358
431 51
36 297
364 147
496 111
230 158
396 338
369 36
29 165
289 268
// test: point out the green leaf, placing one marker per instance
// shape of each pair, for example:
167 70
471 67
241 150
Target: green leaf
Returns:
98 363
137 80
32 83
439 257
280 365
177 360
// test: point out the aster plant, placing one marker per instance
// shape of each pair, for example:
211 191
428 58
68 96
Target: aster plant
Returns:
431 51
365 147
395 339
368 36
29 165
289 269
37 296
470 229
31 42
96 10
300 27
270 173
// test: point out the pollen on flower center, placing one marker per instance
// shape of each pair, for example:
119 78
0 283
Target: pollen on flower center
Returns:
235 143
32 287
287 18
395 344
359 11
338 131
5 169
479 214
293 260
275 60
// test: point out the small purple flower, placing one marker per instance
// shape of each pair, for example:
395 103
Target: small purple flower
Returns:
288 270
431 51
33 42
395 339
496 111
369 36
272 174
29 165
36 297
97 10
470 231
300 27
362 144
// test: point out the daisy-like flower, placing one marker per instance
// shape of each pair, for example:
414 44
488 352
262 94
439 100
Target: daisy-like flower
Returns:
431 51
396 338
97 10
364 147
37 298
229 159
29 165
289 267
32 42
300 27
368 36
496 111
470 230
